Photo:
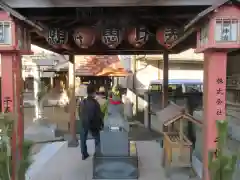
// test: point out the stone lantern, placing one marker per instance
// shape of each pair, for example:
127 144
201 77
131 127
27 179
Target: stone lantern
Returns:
221 30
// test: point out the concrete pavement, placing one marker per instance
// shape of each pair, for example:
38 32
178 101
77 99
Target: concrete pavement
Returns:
58 162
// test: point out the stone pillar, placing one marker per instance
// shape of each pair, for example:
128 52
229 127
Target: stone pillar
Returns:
134 80
117 80
214 100
52 82
159 69
165 79
72 102
36 85
147 119
12 97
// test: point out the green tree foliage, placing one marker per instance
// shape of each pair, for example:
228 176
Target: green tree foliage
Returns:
104 108
116 94
221 164
6 130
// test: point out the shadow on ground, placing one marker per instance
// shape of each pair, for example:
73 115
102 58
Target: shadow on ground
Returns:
139 133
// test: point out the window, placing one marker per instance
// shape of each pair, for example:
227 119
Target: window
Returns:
174 89
226 30
155 87
5 33
197 87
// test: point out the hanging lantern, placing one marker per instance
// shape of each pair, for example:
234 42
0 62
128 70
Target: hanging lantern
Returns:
112 37
166 36
138 36
57 37
84 37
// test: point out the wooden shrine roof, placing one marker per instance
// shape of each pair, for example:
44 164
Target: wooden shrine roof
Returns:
173 113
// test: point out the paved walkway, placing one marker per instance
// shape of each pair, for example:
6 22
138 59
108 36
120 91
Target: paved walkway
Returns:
66 164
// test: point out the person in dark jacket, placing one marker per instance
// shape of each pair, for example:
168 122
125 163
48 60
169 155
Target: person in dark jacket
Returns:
92 120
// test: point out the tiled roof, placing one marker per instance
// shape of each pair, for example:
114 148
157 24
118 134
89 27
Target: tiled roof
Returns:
94 65
97 65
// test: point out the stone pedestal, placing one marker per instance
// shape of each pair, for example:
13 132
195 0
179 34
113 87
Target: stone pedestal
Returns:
117 165
117 157
114 143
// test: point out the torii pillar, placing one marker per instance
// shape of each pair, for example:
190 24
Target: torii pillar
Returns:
218 35
15 41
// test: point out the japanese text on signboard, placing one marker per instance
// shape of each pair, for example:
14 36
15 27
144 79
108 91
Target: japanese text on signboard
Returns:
220 94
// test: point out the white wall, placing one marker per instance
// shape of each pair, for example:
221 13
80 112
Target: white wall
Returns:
126 61
147 71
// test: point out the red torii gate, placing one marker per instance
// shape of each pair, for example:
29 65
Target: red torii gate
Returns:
214 46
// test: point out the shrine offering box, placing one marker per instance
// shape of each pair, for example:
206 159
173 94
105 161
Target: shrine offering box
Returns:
177 148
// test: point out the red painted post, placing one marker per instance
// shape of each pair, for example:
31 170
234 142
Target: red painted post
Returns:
215 67
215 38
11 89
15 42
7 92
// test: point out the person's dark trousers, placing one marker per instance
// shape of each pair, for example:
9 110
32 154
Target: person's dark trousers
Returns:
96 136
84 136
